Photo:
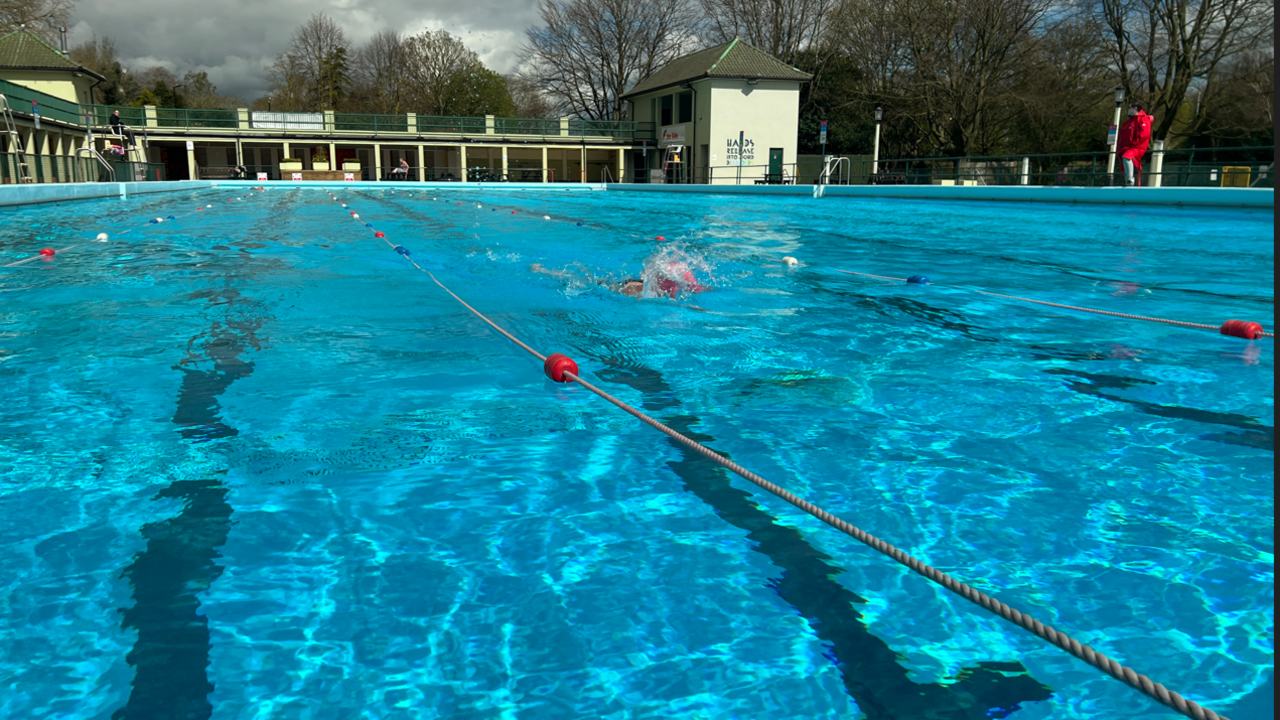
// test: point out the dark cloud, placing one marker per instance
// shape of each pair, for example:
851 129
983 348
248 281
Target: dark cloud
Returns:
235 40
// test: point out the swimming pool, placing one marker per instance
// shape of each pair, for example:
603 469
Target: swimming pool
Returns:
256 466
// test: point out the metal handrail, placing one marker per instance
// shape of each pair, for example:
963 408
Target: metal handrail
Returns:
604 173
835 163
92 151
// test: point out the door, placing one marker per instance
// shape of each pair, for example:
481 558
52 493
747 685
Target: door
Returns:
775 162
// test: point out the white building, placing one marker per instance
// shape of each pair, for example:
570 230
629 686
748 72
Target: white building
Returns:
722 113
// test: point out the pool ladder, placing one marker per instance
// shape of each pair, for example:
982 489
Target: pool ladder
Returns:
24 170
91 151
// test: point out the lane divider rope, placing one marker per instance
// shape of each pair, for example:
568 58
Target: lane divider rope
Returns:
1235 328
560 368
102 237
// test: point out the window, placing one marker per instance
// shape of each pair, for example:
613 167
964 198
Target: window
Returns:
666 109
685 105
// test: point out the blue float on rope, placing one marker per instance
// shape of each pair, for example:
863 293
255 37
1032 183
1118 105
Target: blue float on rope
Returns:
368 224
402 250
918 279
172 217
581 224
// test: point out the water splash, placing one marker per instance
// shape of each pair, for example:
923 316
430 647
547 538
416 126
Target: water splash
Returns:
676 271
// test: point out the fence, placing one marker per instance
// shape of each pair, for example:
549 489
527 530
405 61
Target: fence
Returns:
50 168
1183 167
302 123
51 108
429 173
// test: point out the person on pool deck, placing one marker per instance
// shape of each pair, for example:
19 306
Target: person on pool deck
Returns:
1131 143
120 128
401 172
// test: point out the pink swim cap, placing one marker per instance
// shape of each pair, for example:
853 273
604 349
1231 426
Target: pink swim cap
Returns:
672 288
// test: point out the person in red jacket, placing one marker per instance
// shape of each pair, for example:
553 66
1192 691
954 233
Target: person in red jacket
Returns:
1132 141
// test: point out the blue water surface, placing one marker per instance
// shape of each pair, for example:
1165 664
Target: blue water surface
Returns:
254 464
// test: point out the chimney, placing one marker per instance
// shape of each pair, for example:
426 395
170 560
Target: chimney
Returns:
63 30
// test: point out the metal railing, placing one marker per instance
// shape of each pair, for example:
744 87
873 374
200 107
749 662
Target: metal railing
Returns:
331 123
1183 167
50 168
513 173
51 108
92 153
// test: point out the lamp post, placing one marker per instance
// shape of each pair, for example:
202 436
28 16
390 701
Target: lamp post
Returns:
875 147
1114 139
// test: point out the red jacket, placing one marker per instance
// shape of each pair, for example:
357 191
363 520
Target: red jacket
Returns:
1135 135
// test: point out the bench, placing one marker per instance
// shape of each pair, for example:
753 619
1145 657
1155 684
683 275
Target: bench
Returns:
219 173
774 179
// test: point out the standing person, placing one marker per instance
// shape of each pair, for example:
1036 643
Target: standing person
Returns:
120 128
1131 143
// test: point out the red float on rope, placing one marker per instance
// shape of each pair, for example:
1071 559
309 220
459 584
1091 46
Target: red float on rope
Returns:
379 234
1242 329
47 252
659 238
555 366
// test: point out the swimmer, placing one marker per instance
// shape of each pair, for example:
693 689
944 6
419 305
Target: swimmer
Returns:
634 287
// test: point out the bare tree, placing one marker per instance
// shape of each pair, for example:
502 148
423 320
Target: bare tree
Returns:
529 99
42 17
288 90
100 56
380 72
1062 96
945 68
318 51
589 52
1165 47
781 28
433 60
1238 108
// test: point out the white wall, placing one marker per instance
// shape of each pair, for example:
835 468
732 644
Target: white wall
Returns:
768 113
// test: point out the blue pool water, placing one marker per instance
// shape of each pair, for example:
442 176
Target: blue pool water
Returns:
254 465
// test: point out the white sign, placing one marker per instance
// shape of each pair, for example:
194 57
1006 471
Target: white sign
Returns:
287 120
296 176
1111 135
349 176
262 176
191 145
672 135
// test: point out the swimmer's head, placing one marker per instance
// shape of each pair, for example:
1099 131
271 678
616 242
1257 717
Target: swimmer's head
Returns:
676 277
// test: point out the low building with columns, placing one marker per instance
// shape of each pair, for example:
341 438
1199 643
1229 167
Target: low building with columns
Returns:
711 116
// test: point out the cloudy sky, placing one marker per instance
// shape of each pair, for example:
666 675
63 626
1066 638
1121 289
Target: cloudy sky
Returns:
235 40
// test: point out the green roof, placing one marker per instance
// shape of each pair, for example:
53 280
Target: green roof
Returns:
737 59
22 49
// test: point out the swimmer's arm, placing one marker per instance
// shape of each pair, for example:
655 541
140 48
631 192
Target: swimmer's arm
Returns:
537 267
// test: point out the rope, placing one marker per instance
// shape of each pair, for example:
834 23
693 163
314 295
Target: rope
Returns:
122 232
1128 676
1180 323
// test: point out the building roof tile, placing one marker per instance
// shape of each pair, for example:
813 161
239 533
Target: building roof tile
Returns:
736 59
22 49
